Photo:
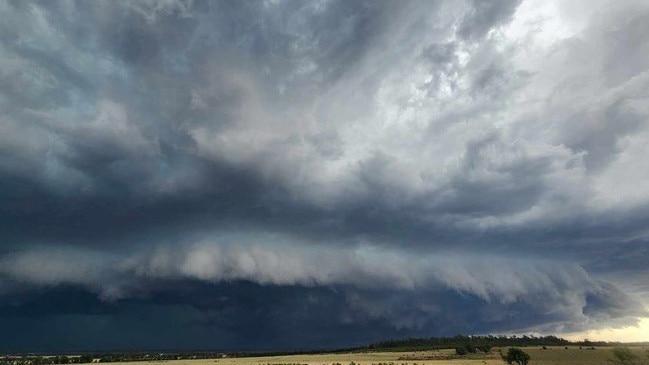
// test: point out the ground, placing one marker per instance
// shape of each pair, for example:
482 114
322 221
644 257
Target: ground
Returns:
552 355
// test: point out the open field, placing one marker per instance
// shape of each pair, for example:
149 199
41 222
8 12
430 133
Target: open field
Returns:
577 356
553 355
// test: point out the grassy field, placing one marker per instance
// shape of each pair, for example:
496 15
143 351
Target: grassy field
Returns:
577 356
553 355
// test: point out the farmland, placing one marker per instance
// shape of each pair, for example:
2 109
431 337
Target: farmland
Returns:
552 355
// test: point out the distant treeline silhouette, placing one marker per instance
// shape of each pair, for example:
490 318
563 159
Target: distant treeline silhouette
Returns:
476 341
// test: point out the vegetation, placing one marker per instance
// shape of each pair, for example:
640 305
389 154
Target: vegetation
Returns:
624 356
469 348
516 355
479 343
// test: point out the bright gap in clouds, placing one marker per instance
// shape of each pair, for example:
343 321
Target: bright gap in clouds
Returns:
639 333
540 23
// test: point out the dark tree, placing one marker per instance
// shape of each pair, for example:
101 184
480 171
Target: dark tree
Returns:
485 348
85 358
516 355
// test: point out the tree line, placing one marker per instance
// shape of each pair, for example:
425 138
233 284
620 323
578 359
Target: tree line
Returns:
478 342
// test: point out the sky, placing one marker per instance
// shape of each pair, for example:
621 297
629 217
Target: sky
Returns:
314 174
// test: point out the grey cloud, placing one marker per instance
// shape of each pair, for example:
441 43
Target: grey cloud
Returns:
571 295
485 16
628 58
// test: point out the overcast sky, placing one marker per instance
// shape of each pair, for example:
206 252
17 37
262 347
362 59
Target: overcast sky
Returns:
290 174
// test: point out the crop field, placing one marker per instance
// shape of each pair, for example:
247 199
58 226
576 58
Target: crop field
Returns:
551 355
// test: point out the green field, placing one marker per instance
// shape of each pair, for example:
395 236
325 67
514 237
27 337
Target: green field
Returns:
552 355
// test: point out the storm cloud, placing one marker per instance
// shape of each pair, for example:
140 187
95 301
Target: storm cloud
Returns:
240 170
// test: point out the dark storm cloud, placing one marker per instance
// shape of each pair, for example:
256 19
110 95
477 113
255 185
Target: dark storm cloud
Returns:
457 157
